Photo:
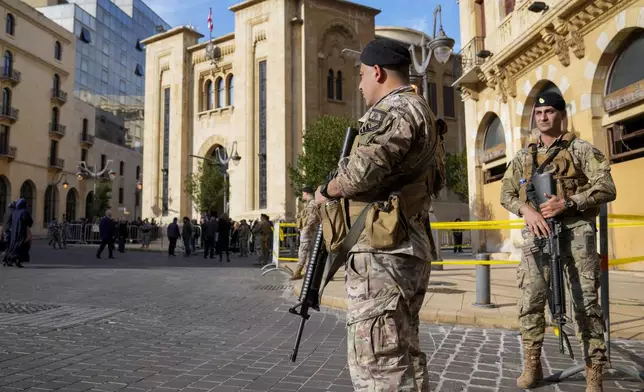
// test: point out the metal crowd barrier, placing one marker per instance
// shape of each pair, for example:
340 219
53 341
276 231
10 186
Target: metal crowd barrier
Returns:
89 234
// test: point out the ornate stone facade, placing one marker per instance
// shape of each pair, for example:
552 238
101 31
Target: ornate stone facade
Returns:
574 47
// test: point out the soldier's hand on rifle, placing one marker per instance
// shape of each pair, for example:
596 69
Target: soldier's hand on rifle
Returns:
535 222
319 199
553 207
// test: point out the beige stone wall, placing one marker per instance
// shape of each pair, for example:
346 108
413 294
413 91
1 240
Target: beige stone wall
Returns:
580 71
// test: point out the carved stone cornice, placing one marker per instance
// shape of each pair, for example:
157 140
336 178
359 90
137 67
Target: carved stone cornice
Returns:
468 93
559 31
225 50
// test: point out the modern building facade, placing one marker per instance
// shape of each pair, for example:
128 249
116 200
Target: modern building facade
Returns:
110 60
591 52
279 70
44 130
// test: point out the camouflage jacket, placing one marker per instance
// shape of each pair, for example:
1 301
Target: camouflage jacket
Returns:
310 218
586 158
398 145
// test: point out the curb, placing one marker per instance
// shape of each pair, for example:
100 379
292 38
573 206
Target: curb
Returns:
455 317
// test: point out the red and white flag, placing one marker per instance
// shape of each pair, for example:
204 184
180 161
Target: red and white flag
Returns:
210 20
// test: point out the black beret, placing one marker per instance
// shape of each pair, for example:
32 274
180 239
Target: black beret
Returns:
551 98
385 52
308 189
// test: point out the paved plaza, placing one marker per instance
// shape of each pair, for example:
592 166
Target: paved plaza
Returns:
144 321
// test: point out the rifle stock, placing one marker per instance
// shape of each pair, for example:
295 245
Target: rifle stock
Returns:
317 259
541 184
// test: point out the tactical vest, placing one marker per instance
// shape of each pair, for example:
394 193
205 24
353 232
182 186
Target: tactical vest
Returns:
569 179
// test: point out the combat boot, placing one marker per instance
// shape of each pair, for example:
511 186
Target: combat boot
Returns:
532 372
298 273
594 377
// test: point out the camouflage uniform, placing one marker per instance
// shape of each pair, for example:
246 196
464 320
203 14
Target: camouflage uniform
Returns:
579 256
386 288
310 222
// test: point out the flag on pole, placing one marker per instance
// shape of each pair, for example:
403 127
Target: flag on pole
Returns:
210 20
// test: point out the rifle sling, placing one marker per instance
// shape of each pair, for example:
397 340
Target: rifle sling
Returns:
349 241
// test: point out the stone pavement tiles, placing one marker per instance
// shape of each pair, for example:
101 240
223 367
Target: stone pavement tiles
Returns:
147 321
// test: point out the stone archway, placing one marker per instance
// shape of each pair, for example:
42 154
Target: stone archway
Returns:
89 206
28 192
5 195
71 205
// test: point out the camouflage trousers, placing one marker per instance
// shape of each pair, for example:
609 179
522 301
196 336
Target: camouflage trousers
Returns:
385 294
581 264
306 240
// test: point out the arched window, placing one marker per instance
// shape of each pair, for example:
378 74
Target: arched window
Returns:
494 150
230 90
329 84
56 84
4 195
58 50
89 206
338 86
28 192
7 64
219 85
626 136
54 117
210 95
6 101
138 172
121 168
10 24
70 205
51 200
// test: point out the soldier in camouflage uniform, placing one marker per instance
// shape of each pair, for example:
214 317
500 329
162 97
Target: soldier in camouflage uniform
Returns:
399 150
584 182
309 222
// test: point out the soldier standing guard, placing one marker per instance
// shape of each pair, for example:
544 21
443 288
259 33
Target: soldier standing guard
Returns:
392 172
308 222
584 183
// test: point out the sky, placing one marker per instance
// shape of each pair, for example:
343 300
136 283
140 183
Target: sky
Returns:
416 14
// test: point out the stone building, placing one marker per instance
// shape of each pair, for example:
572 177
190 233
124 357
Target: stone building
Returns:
280 69
591 52
43 130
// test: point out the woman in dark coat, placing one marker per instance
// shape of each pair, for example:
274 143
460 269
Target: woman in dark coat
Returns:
223 241
20 244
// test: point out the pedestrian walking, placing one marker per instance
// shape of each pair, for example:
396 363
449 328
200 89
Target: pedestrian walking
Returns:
186 235
210 237
584 182
392 174
107 233
223 239
20 240
244 234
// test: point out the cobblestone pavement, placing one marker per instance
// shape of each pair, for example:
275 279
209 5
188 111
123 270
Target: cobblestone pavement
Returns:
144 321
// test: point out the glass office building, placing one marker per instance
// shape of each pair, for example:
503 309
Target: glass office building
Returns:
110 61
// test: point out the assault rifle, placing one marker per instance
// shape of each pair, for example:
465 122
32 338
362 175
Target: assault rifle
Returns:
317 263
540 184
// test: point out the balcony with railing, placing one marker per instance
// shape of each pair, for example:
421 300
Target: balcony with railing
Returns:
87 140
58 95
7 152
56 163
10 75
8 114
57 130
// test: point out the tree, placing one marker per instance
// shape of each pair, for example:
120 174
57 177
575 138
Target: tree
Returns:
321 144
456 170
206 188
102 197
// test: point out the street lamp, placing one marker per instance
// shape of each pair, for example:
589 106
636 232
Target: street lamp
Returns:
54 184
224 159
440 46
137 192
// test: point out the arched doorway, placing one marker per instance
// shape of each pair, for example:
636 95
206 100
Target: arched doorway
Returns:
51 204
28 192
70 205
89 206
5 195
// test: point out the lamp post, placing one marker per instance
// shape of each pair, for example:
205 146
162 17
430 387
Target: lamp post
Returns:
94 173
224 159
54 185
137 192
440 46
